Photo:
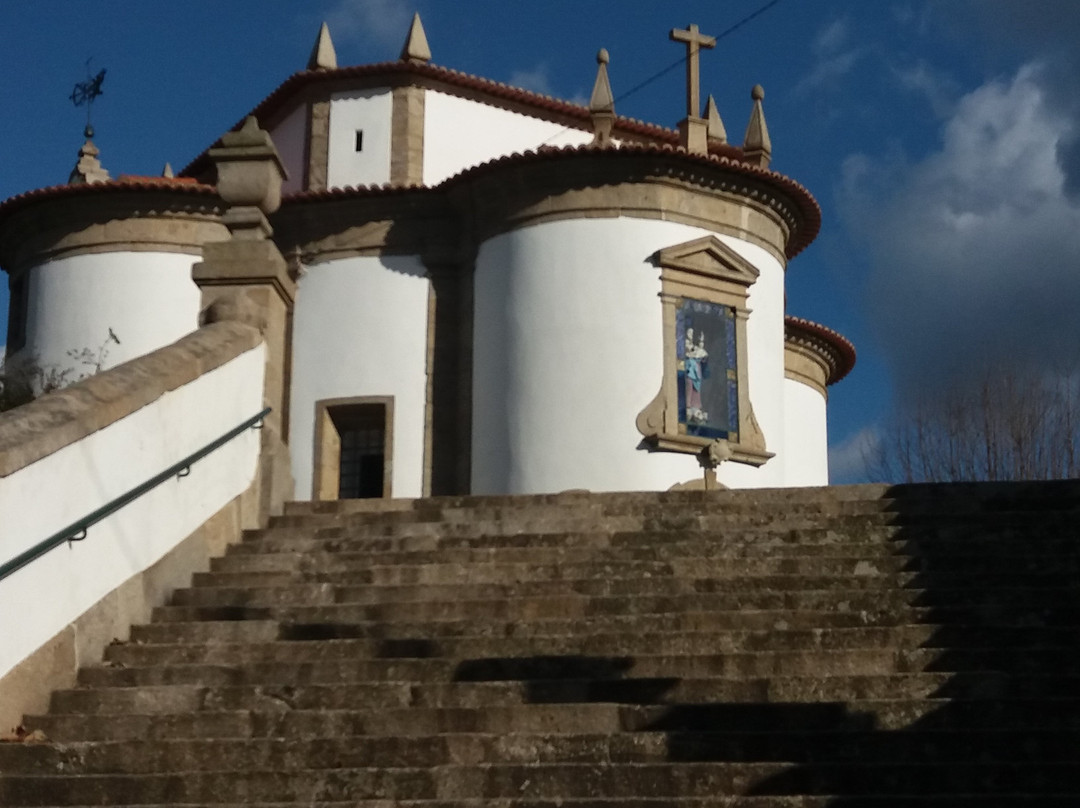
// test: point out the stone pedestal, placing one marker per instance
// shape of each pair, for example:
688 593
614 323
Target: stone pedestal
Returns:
247 279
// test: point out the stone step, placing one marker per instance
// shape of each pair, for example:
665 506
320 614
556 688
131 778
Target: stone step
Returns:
942 588
800 801
397 657
540 781
613 501
367 568
999 495
713 630
673 522
572 548
1029 661
138 757
1026 537
390 582
352 695
528 601
1055 607
370 621
277 718
626 642
790 500
552 672
578 548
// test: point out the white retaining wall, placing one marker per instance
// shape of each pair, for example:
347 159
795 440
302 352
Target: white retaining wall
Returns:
39 600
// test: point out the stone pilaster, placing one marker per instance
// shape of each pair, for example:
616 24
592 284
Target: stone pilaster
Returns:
247 279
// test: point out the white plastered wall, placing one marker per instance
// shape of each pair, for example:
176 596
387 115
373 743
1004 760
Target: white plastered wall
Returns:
360 329
148 299
52 493
289 138
370 111
765 335
568 349
806 455
459 133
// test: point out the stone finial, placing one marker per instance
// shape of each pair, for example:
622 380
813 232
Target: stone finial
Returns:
757 146
167 172
416 45
323 56
88 169
250 174
714 125
602 102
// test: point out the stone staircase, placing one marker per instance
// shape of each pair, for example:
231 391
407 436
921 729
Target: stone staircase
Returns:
916 646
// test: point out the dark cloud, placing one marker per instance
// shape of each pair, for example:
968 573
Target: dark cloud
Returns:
974 250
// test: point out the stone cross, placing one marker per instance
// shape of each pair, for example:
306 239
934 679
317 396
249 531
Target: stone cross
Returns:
694 42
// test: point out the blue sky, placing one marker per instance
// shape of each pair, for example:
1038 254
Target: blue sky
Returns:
941 138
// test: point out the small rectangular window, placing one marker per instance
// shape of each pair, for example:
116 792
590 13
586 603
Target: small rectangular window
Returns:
359 140
353 447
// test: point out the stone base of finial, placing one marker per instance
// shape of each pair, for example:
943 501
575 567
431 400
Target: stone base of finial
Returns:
757 157
89 169
247 223
602 123
694 135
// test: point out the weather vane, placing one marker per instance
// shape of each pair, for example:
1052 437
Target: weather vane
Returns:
85 92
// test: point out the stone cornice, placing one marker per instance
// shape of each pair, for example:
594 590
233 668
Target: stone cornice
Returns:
150 216
328 225
649 182
829 350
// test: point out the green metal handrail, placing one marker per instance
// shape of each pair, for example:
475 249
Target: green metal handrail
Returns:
77 530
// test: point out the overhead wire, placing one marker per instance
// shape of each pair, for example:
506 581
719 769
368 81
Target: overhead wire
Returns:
678 62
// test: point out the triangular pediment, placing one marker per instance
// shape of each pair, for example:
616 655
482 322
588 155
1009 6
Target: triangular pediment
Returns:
709 257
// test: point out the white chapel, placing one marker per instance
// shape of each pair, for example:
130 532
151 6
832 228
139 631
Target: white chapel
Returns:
481 289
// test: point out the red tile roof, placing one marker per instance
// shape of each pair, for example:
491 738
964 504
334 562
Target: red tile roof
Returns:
839 345
142 179
123 184
807 206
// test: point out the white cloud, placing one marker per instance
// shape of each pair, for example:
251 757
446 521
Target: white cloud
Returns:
833 58
974 249
536 80
939 90
832 37
384 21
849 459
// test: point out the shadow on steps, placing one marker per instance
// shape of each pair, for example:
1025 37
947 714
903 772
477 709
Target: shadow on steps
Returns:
1001 591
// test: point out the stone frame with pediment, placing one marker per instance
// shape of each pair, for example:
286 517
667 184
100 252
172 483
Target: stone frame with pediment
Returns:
707 270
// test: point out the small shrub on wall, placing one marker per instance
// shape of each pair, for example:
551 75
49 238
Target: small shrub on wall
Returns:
23 378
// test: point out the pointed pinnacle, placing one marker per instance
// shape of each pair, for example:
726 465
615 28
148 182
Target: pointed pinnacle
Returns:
167 172
602 100
323 56
757 145
716 130
416 45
